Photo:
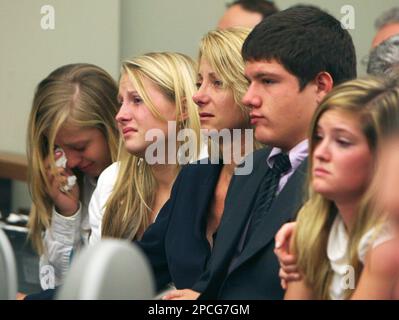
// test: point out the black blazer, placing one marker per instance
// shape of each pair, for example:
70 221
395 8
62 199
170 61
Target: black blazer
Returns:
176 243
254 274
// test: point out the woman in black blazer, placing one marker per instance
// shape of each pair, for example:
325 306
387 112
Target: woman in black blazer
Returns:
179 243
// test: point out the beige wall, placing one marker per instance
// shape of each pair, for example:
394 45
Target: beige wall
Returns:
178 25
85 31
172 25
366 11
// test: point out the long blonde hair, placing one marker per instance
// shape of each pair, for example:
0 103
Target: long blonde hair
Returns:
83 95
222 50
129 207
376 103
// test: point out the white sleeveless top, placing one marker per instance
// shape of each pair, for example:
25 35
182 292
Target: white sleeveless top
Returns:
337 252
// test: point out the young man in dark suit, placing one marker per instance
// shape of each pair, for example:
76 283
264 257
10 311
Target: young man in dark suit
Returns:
293 59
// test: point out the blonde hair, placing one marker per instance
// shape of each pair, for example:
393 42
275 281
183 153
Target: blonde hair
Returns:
376 103
222 50
129 207
82 95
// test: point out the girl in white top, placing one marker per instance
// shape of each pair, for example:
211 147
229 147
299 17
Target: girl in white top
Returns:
337 253
338 229
72 132
155 92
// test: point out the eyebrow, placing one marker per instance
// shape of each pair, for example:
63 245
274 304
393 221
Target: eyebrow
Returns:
343 130
210 74
338 130
76 143
213 74
259 75
129 92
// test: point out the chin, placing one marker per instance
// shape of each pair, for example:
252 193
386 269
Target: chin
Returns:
326 193
135 150
207 126
94 174
262 137
323 188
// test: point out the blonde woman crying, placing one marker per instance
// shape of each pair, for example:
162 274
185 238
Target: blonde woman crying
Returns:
155 90
72 138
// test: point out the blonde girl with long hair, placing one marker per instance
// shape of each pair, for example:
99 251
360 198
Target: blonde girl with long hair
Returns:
72 118
155 91
338 229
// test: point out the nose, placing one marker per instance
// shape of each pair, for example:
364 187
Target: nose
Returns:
251 99
123 114
322 151
74 158
201 98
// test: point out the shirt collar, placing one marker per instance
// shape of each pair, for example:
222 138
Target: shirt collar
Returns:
297 154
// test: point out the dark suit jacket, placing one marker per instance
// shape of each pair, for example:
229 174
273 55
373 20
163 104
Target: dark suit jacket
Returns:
176 243
254 274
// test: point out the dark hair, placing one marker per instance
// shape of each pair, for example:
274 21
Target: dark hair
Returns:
388 17
306 41
264 7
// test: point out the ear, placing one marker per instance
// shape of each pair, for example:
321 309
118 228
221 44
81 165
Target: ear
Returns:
324 84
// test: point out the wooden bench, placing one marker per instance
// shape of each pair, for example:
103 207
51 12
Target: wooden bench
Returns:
13 166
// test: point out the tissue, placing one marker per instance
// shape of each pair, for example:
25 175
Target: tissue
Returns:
61 163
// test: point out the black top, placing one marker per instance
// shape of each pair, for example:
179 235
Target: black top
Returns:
176 243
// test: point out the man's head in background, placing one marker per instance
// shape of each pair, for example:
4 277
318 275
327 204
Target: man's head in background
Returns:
246 13
384 58
387 25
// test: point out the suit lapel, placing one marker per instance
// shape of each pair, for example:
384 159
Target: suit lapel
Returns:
283 209
205 195
238 206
